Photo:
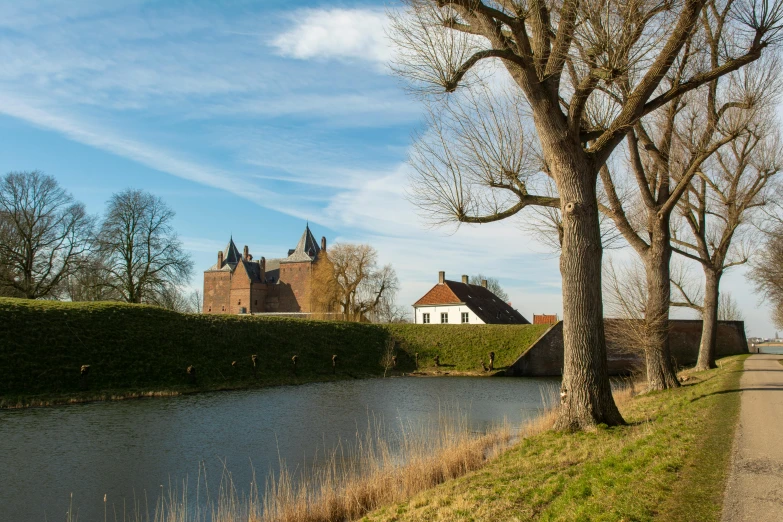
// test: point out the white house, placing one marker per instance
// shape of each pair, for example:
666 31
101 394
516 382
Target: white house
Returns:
453 302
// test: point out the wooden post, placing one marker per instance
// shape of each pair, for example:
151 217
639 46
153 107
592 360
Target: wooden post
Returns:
334 364
294 359
84 371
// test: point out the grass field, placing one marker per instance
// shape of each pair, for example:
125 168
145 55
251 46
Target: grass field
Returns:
670 463
137 350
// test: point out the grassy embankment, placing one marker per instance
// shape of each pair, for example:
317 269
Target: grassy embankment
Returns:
669 463
136 350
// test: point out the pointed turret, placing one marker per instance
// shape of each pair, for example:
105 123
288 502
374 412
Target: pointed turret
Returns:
307 249
231 254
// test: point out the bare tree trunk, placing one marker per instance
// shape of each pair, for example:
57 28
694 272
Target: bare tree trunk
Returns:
661 373
586 395
709 325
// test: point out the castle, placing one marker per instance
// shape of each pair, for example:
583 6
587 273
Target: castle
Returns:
237 284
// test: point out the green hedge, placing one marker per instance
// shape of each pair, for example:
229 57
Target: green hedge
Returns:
135 347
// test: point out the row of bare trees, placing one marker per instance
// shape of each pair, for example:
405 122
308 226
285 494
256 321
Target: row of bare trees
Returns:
639 111
51 248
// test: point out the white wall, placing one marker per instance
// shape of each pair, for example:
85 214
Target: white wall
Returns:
454 311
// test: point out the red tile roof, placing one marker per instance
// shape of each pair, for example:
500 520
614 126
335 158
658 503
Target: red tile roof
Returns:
439 294
544 319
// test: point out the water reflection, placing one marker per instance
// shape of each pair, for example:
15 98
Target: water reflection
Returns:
131 448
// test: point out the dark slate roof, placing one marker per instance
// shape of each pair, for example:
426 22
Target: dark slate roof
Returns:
231 256
306 250
486 305
253 270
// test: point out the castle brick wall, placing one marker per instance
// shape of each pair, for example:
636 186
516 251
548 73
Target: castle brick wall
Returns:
217 287
294 287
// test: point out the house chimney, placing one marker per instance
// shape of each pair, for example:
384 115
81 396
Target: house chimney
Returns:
441 277
323 243
246 253
220 259
484 283
465 279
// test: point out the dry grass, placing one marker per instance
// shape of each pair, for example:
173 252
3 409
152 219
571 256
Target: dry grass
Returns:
379 468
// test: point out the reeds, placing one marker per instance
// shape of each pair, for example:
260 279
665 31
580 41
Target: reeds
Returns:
378 468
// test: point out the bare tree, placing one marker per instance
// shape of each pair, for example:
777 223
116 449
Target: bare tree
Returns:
44 234
196 298
347 280
88 283
767 271
589 71
716 211
144 257
493 285
625 301
172 297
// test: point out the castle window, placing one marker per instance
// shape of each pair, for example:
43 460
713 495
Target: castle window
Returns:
256 301
239 302
210 309
224 309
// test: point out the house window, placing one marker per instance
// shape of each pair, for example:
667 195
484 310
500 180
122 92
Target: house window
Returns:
464 317
425 318
444 318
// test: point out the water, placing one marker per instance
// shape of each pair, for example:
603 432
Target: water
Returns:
129 449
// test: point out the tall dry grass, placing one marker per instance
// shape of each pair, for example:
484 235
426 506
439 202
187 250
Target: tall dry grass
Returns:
380 467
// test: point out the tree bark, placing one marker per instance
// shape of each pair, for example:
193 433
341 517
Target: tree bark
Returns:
661 371
586 395
709 325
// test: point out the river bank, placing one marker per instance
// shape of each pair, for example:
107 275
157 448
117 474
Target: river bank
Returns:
669 463
63 353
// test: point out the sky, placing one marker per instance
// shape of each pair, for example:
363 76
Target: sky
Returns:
251 119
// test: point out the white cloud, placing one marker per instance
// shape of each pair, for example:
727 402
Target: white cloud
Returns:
358 34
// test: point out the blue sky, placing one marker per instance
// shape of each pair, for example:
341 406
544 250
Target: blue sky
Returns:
248 118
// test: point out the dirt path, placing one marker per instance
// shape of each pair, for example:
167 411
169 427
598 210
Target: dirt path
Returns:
755 488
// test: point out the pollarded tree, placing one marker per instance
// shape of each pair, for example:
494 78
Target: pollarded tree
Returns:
717 211
666 151
588 71
44 235
143 256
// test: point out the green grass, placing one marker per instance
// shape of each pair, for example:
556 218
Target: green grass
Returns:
136 349
463 349
670 463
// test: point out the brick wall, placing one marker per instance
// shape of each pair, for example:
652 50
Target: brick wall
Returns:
217 286
545 357
294 287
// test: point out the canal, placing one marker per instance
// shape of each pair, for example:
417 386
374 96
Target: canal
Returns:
126 450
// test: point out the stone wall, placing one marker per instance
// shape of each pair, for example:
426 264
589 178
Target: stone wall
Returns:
545 356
